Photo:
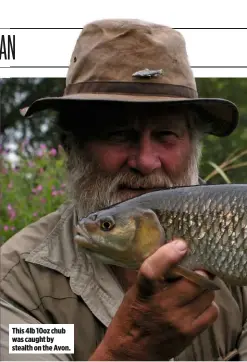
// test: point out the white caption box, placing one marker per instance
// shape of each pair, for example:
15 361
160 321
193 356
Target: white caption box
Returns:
41 338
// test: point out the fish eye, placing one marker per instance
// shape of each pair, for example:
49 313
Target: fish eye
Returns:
107 224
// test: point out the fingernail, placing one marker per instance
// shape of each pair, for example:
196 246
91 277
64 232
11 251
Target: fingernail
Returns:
180 245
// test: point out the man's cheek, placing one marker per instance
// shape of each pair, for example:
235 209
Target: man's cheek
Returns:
110 160
182 156
175 162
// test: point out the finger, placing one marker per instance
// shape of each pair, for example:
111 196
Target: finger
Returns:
198 305
158 264
206 319
189 326
191 275
206 274
183 291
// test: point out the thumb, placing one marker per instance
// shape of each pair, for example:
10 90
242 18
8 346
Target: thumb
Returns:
157 266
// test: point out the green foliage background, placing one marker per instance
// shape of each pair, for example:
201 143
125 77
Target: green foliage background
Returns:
36 187
218 149
33 189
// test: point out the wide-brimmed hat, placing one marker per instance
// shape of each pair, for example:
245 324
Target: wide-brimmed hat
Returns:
134 61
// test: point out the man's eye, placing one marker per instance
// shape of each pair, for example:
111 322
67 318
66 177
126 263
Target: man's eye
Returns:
119 135
167 135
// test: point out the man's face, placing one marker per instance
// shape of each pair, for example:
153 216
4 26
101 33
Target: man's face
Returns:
135 150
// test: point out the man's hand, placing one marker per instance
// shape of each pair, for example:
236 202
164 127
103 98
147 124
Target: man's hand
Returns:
157 320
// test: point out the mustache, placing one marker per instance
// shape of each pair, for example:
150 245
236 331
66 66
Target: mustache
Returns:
157 180
92 188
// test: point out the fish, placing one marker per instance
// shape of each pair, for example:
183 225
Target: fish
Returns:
212 219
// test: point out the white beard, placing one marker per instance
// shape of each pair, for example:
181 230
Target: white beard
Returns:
91 189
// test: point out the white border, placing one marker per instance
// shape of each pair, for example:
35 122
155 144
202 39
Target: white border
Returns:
53 47
76 13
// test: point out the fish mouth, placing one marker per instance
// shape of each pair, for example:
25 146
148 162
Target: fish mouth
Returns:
83 238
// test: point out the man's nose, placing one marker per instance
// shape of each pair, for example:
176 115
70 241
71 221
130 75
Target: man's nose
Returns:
144 156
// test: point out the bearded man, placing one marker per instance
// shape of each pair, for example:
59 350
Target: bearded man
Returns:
130 122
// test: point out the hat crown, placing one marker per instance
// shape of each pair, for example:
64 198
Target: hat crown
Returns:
134 61
113 50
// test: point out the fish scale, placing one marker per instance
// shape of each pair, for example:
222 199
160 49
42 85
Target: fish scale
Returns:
223 209
218 227
211 218
214 248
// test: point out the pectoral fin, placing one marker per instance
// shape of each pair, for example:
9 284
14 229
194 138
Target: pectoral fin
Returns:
198 279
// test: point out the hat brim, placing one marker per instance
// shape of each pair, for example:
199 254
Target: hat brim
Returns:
221 114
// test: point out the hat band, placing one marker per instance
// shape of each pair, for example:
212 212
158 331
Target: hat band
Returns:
133 88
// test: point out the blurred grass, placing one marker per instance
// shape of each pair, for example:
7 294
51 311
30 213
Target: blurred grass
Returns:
34 188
